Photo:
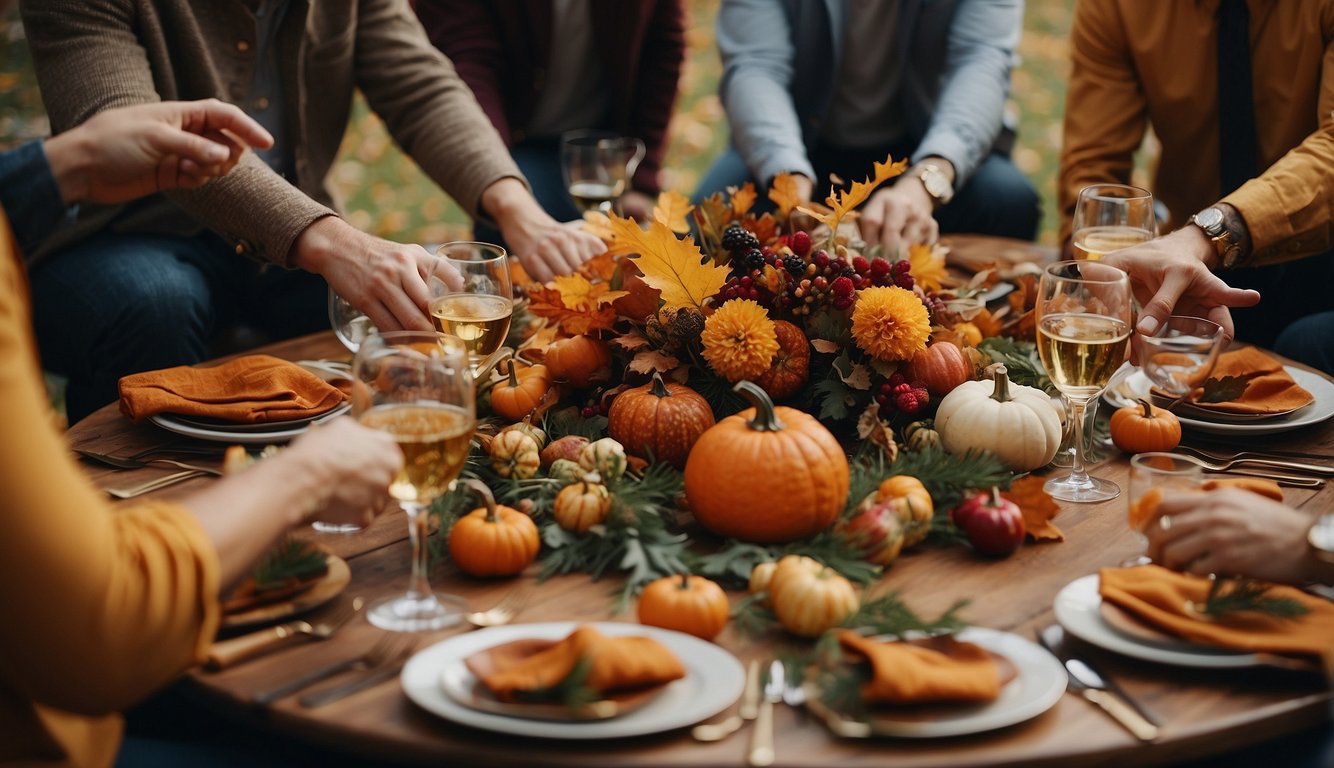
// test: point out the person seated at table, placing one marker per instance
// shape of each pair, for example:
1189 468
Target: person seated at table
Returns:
831 87
1239 96
103 605
149 285
543 67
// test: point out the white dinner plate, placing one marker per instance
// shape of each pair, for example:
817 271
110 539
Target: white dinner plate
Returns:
714 679
1077 609
1130 380
1039 682
244 434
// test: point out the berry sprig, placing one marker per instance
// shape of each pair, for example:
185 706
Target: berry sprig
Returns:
897 394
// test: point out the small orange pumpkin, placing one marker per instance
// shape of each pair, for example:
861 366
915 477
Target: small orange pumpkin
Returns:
514 454
582 505
1144 427
809 598
792 363
941 367
493 540
913 502
579 360
685 603
768 474
660 419
517 396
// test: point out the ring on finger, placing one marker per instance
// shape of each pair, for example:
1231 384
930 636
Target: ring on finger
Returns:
1165 522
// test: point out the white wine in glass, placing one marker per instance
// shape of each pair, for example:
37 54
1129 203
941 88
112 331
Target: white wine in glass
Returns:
471 296
481 322
596 195
1109 217
1095 242
597 167
1084 350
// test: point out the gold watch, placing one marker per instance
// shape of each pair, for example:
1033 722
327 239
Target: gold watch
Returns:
937 183
1227 244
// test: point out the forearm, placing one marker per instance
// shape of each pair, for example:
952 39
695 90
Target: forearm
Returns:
1289 209
31 194
658 78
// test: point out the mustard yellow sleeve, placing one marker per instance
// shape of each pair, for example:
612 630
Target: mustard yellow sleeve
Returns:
100 604
1105 112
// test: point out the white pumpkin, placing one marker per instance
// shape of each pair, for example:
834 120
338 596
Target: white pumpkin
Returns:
1017 423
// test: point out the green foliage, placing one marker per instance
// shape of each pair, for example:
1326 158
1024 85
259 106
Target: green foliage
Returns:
1227 388
291 559
1020 359
1236 595
949 477
568 421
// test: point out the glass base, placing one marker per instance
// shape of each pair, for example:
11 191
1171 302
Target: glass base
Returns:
1092 490
336 527
416 614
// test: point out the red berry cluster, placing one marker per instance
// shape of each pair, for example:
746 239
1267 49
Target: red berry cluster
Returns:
898 394
595 408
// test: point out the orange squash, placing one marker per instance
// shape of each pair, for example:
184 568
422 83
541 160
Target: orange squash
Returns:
579 361
517 396
941 367
514 454
493 540
809 598
685 603
1144 427
766 474
792 363
659 419
582 505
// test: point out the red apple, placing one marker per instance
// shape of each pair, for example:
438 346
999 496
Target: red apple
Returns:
994 525
876 531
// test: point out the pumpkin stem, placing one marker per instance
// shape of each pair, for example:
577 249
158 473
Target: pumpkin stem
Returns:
659 388
479 489
514 380
766 420
685 580
995 496
1001 393
1148 408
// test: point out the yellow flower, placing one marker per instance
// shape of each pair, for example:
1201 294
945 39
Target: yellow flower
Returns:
739 340
927 265
890 323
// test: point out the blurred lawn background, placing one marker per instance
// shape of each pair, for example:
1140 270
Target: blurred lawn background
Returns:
387 195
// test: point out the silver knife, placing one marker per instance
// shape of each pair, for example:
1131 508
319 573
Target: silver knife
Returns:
1086 681
761 750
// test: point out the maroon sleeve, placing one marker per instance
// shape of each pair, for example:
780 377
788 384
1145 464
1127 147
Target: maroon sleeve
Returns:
468 33
655 95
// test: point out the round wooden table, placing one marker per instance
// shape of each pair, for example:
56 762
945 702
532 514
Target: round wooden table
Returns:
1205 712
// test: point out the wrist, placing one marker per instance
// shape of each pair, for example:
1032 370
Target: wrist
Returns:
1229 238
1195 242
936 175
69 157
316 244
508 199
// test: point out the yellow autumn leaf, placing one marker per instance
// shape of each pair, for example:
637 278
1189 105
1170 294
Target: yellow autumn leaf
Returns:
596 223
783 192
670 265
579 293
743 199
927 265
672 209
841 202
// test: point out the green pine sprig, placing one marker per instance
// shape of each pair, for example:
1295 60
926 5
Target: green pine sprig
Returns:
949 477
1228 596
291 559
1021 361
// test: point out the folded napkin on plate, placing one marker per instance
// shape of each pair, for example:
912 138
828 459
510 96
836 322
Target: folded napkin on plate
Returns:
1158 597
250 389
1272 391
614 663
904 673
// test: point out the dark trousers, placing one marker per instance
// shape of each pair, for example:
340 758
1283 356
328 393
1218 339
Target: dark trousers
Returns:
1295 316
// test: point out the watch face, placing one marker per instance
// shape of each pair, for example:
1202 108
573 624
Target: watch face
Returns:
1210 220
1321 535
936 184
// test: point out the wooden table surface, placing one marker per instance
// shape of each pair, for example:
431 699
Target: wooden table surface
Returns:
1205 712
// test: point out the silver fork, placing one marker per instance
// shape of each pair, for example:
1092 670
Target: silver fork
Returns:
154 484
386 648
129 462
228 652
389 667
1216 465
502 612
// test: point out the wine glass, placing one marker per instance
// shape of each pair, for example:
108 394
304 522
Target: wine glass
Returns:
1181 354
415 385
1083 316
1151 476
350 324
597 167
471 297
1109 217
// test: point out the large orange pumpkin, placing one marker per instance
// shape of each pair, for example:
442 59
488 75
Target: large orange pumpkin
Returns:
493 540
517 396
579 360
766 474
685 603
791 365
941 367
660 419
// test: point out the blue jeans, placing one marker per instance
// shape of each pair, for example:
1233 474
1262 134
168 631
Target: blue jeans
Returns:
539 159
998 199
116 304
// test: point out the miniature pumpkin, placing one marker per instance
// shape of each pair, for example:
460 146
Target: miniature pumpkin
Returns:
605 457
809 598
659 419
969 333
582 505
579 360
791 365
493 540
516 397
910 498
920 435
767 474
685 603
568 447
941 367
760 576
1144 427
514 454
1018 424
526 426
565 469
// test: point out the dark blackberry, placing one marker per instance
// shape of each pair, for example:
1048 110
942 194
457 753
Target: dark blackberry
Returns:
752 258
795 265
737 238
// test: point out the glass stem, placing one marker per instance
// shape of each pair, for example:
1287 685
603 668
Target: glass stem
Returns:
419 587
1078 476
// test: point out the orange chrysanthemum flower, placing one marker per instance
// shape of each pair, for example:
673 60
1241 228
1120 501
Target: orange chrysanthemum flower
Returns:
927 265
739 340
890 323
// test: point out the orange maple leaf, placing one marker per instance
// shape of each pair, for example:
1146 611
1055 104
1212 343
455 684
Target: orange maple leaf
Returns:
1037 506
590 317
672 209
783 192
765 228
672 266
579 293
596 223
600 268
743 199
841 202
650 360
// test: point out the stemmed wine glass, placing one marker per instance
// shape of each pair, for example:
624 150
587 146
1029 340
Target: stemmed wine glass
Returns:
416 386
350 324
471 297
1181 354
597 167
1083 316
1109 217
1151 476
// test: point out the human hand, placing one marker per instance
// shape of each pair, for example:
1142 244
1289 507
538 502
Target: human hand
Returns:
898 216
545 247
637 205
1169 276
128 152
384 279
1233 532
353 464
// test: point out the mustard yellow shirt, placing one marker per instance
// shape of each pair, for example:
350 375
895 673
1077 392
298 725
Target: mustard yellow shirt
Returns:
1137 63
99 605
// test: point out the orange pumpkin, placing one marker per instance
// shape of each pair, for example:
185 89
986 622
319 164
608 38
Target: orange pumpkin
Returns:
579 360
660 419
493 540
809 598
1144 427
582 505
791 365
685 603
766 474
517 396
941 367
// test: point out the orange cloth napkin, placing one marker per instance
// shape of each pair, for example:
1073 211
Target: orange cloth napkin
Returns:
904 673
250 389
615 663
1274 391
1158 597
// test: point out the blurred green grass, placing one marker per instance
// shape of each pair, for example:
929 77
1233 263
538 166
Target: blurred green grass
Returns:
386 194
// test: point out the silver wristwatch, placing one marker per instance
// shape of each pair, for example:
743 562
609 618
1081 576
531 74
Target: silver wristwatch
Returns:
937 183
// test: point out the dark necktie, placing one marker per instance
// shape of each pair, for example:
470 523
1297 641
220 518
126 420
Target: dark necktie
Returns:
1236 106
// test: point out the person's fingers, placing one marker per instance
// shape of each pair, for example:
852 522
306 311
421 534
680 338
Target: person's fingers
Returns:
171 141
215 115
891 231
446 273
537 267
1157 309
1223 317
872 219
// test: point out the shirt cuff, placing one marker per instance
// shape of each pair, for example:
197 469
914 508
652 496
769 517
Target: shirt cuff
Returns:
30 196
